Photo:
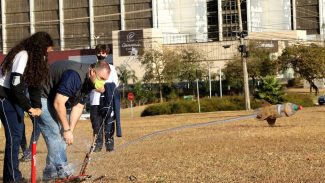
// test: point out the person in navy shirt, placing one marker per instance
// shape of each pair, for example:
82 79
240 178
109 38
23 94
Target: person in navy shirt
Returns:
70 82
24 67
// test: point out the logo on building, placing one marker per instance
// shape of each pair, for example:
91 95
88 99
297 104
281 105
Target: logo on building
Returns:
130 37
270 45
130 42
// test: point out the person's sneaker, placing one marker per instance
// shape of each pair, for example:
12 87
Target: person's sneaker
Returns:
64 171
110 144
97 149
49 174
27 156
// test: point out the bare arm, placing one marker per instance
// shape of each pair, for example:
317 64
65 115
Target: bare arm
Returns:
75 115
61 111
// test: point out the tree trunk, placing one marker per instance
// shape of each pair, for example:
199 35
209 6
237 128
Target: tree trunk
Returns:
160 93
313 86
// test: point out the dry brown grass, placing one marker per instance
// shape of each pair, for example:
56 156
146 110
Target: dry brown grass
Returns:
241 151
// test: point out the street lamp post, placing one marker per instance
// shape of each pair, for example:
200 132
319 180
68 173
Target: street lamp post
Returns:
220 82
243 57
209 79
198 94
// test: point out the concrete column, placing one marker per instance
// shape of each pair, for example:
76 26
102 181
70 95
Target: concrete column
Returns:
61 17
32 16
249 22
321 19
122 14
4 27
155 13
91 24
220 20
294 15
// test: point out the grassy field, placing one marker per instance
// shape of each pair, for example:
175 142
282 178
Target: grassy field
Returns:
243 150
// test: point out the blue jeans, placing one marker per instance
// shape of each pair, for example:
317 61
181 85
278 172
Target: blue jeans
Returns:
34 137
56 160
12 118
35 134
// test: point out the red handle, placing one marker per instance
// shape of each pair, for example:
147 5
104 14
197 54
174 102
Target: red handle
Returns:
33 176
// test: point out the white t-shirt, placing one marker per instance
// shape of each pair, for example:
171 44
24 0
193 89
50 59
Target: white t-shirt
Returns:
18 66
94 96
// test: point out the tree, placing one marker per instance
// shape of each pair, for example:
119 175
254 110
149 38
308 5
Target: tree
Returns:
143 94
172 66
306 60
270 90
153 63
169 66
259 64
125 75
193 65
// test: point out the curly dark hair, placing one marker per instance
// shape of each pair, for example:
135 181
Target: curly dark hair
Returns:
101 48
37 69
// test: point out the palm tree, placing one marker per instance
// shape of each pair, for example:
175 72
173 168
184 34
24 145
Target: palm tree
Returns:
125 75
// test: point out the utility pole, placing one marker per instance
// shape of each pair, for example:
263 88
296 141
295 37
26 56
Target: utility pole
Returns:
243 51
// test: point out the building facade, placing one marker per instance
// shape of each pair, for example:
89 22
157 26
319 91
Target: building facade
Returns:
72 24
80 25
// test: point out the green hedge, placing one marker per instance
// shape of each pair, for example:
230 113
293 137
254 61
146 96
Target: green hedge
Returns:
206 104
228 103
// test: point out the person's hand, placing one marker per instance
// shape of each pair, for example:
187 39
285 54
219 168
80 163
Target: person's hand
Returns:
68 137
101 90
35 112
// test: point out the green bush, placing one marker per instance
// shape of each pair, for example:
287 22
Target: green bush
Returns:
227 103
156 109
270 90
172 96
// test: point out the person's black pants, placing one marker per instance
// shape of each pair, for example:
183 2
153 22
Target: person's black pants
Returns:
12 118
102 128
96 123
109 133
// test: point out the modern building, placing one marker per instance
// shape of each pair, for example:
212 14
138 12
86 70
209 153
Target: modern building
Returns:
73 24
82 24
78 26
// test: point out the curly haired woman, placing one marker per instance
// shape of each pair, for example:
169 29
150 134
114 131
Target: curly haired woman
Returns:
24 67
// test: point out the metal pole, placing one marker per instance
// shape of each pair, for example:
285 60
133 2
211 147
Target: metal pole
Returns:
220 82
131 109
209 79
246 87
198 94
